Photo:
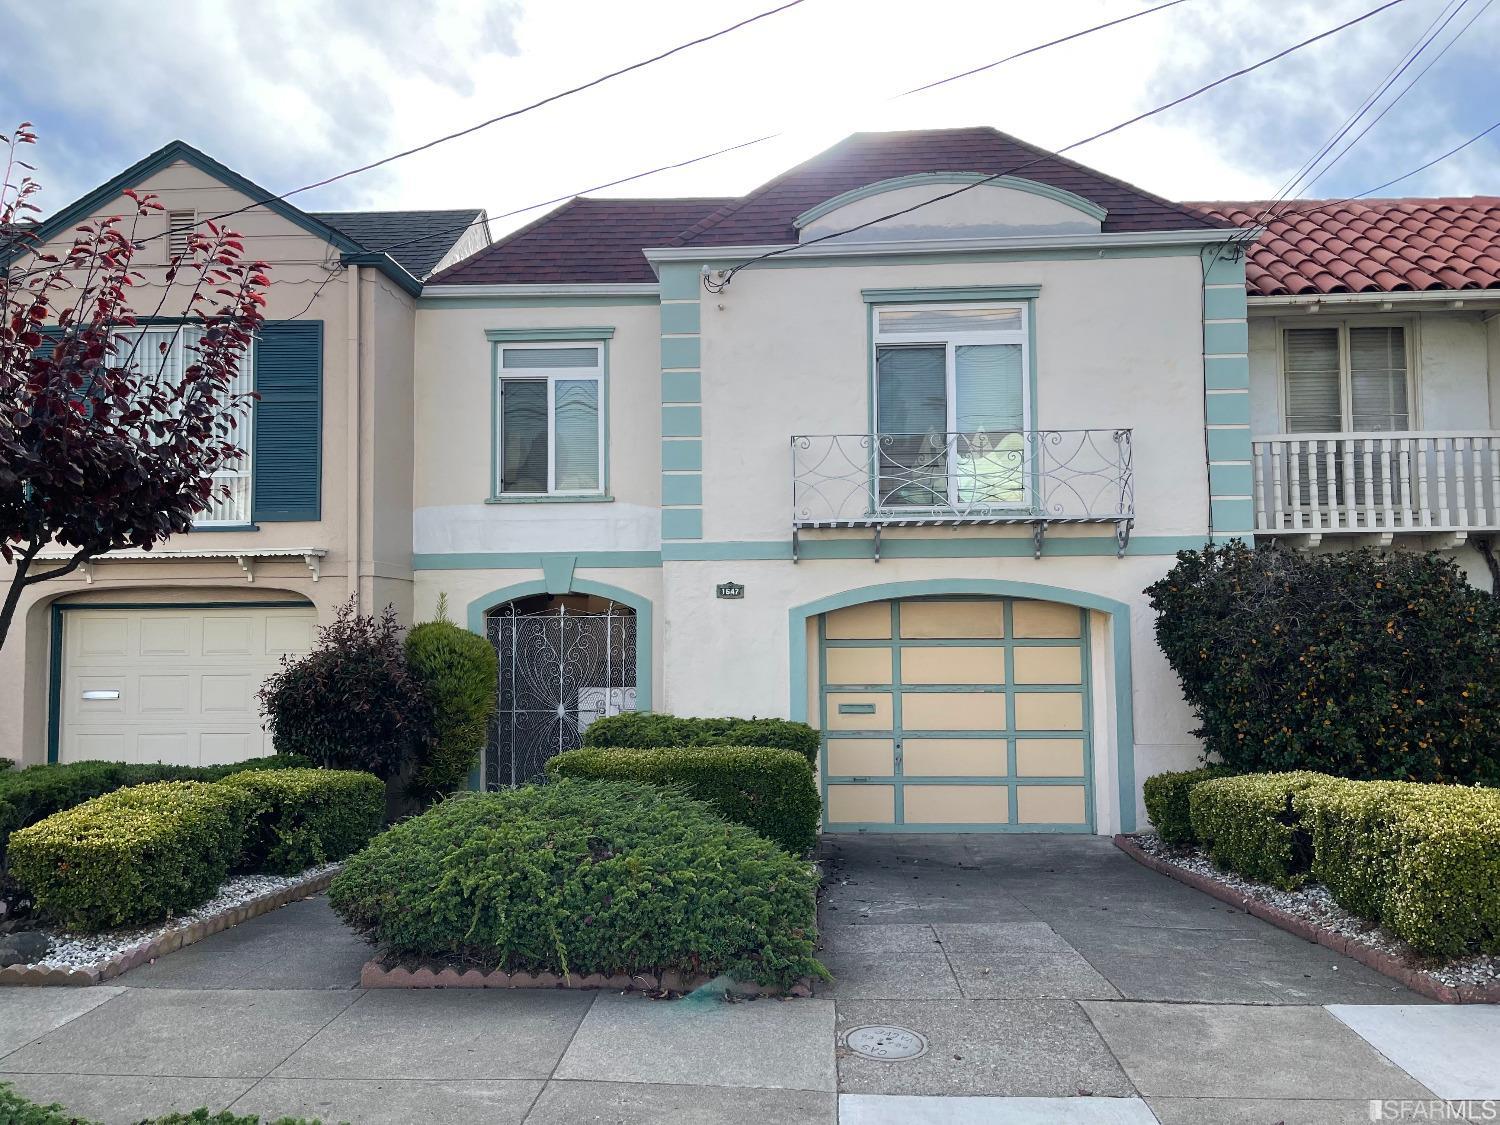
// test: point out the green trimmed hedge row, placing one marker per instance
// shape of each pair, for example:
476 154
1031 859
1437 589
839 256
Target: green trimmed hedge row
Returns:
585 877
1423 860
149 851
1166 796
138 853
30 795
650 730
308 816
769 790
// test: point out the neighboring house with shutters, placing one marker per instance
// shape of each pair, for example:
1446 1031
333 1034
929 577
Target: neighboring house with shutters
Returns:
158 655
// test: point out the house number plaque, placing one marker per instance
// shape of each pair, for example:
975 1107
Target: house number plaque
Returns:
730 590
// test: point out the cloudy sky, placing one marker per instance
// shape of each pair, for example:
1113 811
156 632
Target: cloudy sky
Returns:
291 91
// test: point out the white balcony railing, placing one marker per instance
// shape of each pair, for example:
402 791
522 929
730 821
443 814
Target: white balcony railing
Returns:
1377 483
1035 477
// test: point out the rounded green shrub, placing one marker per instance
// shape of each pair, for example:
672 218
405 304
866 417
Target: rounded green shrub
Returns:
1166 796
772 791
1358 664
309 816
584 877
460 672
352 702
649 730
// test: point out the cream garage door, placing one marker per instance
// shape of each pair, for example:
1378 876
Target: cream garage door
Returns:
956 715
172 685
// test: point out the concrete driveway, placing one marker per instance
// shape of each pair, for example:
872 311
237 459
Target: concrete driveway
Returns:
1052 979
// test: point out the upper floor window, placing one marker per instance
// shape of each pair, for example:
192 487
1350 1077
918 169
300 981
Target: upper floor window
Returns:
1346 378
166 352
952 405
550 419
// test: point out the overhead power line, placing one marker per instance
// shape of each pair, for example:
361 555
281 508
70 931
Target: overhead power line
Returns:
717 285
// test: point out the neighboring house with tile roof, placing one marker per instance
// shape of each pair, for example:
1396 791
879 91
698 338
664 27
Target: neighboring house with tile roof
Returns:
892 443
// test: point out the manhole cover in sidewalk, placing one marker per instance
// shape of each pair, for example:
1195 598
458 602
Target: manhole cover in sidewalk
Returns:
887 1043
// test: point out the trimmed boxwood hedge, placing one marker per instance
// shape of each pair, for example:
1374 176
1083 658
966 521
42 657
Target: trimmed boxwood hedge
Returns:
585 877
771 791
308 816
1166 796
30 795
18 1110
134 855
651 730
1421 859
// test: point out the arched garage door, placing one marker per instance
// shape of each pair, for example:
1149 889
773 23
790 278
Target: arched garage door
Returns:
956 715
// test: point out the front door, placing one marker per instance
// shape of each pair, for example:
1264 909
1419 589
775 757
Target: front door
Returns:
956 715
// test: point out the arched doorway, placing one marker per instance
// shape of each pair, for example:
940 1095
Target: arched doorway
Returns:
565 660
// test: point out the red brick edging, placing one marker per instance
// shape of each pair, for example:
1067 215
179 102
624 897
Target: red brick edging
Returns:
434 975
170 941
1389 964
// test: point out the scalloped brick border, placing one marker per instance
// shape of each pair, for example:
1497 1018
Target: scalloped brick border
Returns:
425 974
172 940
1388 964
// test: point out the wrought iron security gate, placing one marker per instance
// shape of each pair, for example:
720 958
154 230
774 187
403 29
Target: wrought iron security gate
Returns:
560 669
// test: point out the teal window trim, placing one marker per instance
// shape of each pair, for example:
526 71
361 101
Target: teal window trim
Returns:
55 647
967 179
541 335
942 294
497 337
1119 620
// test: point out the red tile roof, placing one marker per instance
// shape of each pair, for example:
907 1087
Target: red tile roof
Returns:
583 241
1368 245
766 214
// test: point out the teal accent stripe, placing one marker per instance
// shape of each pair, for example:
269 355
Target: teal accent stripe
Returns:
1229 445
681 421
505 560
536 335
1233 514
1230 480
951 293
681 386
678 317
682 523
1224 304
682 453
681 488
1226 338
1226 372
680 281
1228 410
679 352
780 550
1226 271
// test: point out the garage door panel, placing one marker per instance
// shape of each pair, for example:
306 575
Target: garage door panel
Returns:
983 724
186 681
955 757
956 804
953 710
962 665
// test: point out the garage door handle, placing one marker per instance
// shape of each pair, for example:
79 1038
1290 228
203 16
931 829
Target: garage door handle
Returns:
94 696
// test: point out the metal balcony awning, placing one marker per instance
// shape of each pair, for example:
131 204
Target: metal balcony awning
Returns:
246 558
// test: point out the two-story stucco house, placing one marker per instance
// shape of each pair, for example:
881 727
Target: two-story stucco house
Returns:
147 656
892 444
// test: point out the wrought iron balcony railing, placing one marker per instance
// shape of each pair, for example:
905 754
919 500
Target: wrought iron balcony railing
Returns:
1035 477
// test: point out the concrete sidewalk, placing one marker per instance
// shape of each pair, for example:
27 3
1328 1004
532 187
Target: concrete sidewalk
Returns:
1053 979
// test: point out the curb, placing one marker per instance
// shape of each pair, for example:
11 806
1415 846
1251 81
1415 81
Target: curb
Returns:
170 941
413 974
1388 964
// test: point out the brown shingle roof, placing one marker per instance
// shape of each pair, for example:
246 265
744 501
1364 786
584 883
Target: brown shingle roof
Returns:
766 214
583 241
1368 245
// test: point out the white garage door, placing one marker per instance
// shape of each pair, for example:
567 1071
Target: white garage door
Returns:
172 685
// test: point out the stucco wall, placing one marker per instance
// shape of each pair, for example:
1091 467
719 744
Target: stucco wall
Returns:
786 351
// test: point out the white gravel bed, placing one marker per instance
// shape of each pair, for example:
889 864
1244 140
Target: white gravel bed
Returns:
1313 903
88 951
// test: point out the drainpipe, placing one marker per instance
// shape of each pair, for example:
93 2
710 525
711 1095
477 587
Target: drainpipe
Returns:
352 421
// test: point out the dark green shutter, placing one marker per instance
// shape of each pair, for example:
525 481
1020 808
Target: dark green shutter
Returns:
286 467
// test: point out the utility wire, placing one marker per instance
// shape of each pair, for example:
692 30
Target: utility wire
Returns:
781 132
718 285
